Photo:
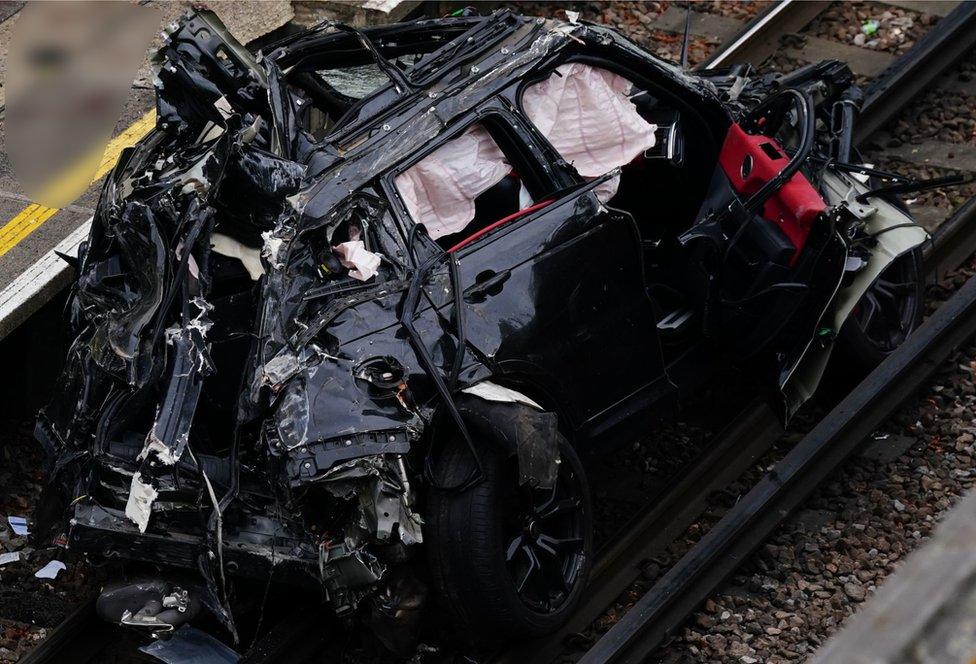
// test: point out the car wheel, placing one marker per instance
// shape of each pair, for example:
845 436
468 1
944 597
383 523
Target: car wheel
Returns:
509 561
889 311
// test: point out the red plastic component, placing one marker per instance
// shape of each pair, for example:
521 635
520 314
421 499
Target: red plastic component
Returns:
750 162
490 227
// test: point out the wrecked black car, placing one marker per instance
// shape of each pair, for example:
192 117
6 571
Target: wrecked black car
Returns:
351 314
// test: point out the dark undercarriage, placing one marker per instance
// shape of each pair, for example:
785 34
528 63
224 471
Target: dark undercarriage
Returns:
245 399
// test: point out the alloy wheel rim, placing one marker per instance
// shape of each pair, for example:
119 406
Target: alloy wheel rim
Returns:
545 547
887 312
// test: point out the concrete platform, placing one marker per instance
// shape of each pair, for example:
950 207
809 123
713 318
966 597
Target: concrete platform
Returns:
31 235
925 613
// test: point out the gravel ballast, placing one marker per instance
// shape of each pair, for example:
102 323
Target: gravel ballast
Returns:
872 25
851 535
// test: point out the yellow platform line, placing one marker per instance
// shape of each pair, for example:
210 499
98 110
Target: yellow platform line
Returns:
31 217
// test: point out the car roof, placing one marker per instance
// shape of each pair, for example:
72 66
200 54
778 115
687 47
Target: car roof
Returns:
475 58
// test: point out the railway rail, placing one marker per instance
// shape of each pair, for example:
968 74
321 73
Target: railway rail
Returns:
744 528
805 466
82 638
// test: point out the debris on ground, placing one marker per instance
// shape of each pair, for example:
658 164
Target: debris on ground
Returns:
872 25
50 570
18 524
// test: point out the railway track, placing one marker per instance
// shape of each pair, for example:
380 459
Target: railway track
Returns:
805 466
752 520
744 528
84 639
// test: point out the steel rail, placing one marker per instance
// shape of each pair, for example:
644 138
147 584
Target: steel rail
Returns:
77 639
754 518
752 432
937 50
760 37
619 566
952 242
83 637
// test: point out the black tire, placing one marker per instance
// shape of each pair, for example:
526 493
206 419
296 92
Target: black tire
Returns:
467 534
891 310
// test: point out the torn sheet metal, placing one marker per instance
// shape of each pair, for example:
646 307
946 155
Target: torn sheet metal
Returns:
507 418
249 257
189 645
154 605
383 493
494 392
893 234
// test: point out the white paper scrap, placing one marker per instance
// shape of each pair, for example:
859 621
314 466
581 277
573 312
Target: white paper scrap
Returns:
51 570
19 524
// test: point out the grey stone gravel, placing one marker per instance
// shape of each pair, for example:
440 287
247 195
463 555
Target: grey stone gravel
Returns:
853 533
636 20
896 29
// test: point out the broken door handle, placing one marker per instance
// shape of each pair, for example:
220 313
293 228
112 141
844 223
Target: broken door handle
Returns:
487 283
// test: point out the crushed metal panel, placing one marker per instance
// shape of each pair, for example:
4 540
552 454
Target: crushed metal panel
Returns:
267 345
189 645
895 234
505 417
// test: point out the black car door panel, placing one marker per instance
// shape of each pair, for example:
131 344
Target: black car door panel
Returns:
558 297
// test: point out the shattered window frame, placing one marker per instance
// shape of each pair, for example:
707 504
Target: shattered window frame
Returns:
644 82
523 147
312 53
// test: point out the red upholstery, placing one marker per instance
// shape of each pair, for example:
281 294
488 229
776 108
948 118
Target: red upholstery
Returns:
490 227
794 207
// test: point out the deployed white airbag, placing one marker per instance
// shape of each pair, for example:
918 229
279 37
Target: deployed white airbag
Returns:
582 110
586 114
440 189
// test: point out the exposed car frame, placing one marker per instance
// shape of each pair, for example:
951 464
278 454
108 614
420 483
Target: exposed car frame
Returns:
295 426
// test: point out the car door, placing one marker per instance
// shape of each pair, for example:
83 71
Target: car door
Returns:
557 297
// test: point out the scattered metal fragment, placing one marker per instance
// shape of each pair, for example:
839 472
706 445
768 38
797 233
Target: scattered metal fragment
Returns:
189 645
